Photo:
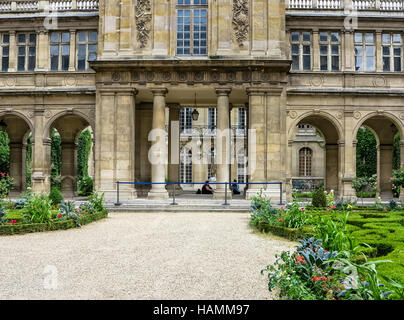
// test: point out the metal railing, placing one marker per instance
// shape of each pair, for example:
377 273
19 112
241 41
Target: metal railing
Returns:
226 203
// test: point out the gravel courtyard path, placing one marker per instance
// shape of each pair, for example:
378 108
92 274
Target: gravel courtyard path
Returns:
182 255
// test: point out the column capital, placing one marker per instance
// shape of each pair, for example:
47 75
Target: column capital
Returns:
223 91
159 91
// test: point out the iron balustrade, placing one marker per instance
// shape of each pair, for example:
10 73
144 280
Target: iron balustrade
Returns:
118 203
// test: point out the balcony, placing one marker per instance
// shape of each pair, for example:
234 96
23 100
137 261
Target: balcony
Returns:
51 6
358 5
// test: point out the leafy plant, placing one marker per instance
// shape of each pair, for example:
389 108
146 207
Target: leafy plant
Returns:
6 183
67 211
19 203
85 186
55 196
38 209
294 217
97 201
319 198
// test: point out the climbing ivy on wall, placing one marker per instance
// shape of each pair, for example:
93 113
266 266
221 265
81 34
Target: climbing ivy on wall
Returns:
83 153
366 153
56 158
396 152
28 162
4 152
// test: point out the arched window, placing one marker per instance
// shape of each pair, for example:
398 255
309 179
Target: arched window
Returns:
186 166
305 156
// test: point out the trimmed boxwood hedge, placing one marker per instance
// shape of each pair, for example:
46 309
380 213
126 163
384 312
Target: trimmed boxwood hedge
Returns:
289 233
51 226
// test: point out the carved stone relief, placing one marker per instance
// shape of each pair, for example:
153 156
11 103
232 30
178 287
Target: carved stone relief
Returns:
143 21
240 20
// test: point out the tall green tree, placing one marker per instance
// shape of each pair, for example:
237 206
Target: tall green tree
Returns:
366 153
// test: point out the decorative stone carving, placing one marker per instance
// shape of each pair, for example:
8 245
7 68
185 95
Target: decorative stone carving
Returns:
339 115
143 21
166 76
357 115
241 22
116 76
379 81
316 81
293 114
48 114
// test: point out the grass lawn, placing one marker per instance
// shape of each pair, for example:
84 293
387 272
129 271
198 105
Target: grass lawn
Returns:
383 231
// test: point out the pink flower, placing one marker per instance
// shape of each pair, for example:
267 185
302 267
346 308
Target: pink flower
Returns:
59 216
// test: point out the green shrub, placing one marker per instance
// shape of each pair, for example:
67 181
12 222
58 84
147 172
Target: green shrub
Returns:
319 198
38 209
85 186
97 201
6 183
294 217
55 196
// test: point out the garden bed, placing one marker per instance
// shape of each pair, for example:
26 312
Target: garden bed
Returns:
51 226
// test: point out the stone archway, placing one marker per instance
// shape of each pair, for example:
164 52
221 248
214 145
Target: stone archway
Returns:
17 128
384 127
331 133
69 126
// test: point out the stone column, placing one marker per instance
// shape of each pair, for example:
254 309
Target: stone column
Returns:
67 171
348 156
348 51
12 64
24 167
386 169
223 143
316 51
158 150
256 141
115 142
16 165
161 33
378 51
42 59
72 60
224 25
173 146
332 168
41 160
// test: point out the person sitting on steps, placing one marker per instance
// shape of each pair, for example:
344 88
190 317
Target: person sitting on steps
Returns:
234 187
207 189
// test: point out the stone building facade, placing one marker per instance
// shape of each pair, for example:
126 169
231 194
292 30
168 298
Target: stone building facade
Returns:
126 67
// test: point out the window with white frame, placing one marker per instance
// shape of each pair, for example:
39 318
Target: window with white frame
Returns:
212 164
26 48
242 118
392 52
305 160
364 51
60 50
301 50
186 120
241 166
186 166
329 51
212 116
192 22
5 51
86 48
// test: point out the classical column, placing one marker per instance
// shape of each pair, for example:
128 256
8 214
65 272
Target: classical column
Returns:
115 142
316 51
42 59
348 46
378 51
158 150
386 169
223 142
12 65
347 156
16 165
173 146
67 171
256 141
72 60
41 159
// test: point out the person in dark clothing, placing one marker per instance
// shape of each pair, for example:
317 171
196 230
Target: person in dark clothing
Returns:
234 187
207 189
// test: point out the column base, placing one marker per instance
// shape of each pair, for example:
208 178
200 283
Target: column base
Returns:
221 195
170 189
158 195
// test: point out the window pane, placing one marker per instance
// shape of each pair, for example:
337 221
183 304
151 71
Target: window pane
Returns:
31 63
358 63
334 50
65 50
334 37
323 62
396 38
386 51
82 36
323 49
324 36
306 36
55 37
32 38
370 63
82 50
6 38
81 65
65 62
93 36
397 51
358 37
397 64
21 64
54 62
306 49
65 37
21 51
294 36
21 38
369 38
370 50
295 49
386 63
306 62
385 38
358 50
335 63
295 62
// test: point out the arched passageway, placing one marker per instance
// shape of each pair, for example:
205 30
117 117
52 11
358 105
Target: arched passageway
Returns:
18 130
331 136
68 127
384 130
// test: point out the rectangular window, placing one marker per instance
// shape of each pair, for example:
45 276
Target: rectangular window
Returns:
192 24
392 52
86 48
186 120
5 51
242 119
364 51
301 50
26 49
60 50
212 118
329 51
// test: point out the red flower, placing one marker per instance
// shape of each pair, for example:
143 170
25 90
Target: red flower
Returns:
300 259
280 220
302 209
59 216
384 209
333 207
